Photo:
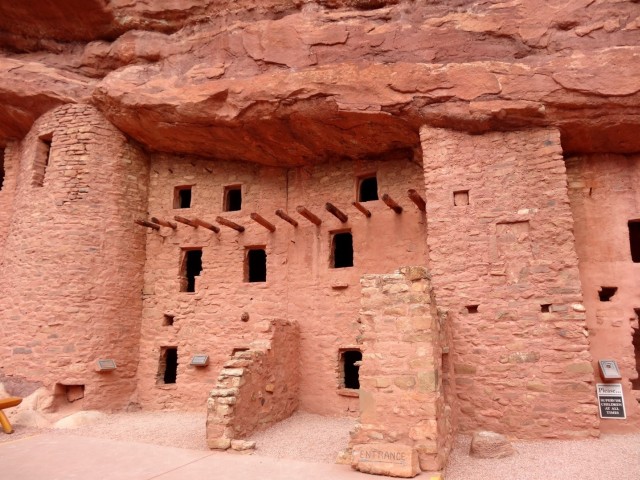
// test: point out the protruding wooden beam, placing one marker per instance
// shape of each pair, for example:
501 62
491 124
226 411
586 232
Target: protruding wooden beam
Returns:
186 221
391 203
230 224
418 200
263 221
202 223
308 215
363 210
164 223
286 217
144 223
336 212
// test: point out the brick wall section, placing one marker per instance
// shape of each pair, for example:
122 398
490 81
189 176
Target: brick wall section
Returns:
256 388
11 168
604 196
519 370
300 284
402 397
72 263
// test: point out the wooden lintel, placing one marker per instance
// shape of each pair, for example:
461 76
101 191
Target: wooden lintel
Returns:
365 211
230 224
263 221
144 223
336 212
207 225
391 203
164 223
286 217
308 215
418 200
186 221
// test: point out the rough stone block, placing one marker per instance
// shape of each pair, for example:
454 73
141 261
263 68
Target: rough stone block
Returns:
487 444
219 443
389 459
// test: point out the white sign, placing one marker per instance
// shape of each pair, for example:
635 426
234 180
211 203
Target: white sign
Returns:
610 400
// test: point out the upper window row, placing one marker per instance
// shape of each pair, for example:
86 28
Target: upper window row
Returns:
232 199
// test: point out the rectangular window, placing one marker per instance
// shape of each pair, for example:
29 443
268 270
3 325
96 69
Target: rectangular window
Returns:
1 168
342 250
256 265
42 160
168 365
350 368
634 240
182 197
191 268
368 188
232 198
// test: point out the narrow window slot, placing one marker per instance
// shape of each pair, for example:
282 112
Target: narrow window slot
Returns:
232 198
191 268
368 189
342 250
256 265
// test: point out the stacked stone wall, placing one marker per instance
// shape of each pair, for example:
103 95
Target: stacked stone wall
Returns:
604 196
503 262
402 394
72 262
300 282
256 388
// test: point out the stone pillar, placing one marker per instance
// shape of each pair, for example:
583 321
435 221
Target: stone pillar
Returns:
503 263
404 425
72 264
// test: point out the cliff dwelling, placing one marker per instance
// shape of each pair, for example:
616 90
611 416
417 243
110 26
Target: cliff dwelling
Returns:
421 215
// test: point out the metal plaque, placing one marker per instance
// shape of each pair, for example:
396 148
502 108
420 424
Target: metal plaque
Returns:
610 370
200 360
610 400
106 364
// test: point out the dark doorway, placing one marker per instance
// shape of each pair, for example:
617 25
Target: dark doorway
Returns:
351 370
182 197
169 364
192 267
256 267
368 189
634 240
233 198
342 250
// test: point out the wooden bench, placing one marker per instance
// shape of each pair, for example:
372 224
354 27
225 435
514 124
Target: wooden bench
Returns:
7 403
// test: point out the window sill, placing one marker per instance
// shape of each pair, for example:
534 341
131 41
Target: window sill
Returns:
167 386
348 392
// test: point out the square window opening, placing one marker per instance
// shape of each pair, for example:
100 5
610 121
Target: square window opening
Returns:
191 268
232 198
342 250
634 240
460 198
350 361
256 265
606 293
472 308
368 188
168 366
167 320
545 307
182 197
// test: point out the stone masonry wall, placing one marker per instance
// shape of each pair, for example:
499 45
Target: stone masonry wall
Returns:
72 263
301 285
402 396
505 267
604 195
257 387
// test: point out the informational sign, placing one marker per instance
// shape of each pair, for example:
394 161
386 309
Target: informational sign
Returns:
610 370
200 360
106 364
610 400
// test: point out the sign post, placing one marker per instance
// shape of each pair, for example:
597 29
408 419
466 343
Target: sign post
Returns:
610 400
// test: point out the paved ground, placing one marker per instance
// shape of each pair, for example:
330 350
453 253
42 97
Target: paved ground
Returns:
69 457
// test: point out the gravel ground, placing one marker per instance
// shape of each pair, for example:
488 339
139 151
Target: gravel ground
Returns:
313 438
610 457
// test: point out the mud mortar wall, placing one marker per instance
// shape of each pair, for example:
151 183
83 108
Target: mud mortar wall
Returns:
73 259
604 196
300 283
505 267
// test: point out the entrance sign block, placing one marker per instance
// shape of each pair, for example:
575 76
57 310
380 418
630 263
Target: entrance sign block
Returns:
610 400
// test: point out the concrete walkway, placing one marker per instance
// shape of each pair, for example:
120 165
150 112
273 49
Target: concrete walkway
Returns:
68 457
